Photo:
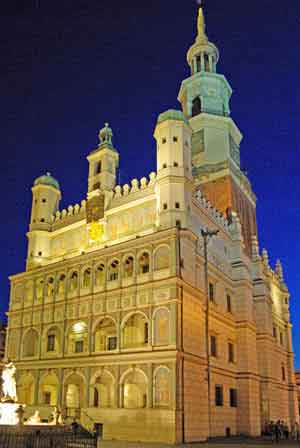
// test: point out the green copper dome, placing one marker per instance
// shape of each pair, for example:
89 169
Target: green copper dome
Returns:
172 114
47 179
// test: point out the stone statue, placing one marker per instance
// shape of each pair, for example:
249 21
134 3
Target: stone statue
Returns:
9 388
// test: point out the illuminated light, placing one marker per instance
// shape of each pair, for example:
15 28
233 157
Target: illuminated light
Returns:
79 327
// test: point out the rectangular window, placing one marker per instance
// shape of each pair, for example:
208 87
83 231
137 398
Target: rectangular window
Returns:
213 346
283 373
281 338
211 292
51 343
98 167
47 398
219 395
229 309
275 332
233 398
145 268
230 352
78 346
112 343
113 276
146 334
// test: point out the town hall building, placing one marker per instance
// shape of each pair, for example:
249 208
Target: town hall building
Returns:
149 307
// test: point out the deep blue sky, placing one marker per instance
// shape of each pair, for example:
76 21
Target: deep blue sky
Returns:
69 66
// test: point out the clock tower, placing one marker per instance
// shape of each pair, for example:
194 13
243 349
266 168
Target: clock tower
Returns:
205 99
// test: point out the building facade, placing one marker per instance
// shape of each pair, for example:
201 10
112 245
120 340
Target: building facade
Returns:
113 320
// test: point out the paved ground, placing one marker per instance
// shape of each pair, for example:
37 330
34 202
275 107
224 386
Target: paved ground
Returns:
217 443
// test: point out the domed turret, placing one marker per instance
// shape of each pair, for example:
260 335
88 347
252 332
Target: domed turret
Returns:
45 203
47 179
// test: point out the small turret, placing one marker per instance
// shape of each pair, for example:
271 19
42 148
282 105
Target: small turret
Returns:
45 201
174 169
279 271
265 258
255 248
103 163
46 196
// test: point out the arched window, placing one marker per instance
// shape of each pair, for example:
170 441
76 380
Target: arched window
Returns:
162 258
162 327
162 387
128 267
136 331
105 336
196 107
73 285
144 263
113 271
134 390
78 338
100 275
86 280
61 285
104 391
30 343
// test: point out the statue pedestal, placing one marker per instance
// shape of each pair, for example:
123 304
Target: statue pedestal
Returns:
8 414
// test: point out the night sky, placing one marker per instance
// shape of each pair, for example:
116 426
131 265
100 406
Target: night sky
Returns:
67 66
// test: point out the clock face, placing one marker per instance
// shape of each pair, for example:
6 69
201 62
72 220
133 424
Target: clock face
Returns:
96 232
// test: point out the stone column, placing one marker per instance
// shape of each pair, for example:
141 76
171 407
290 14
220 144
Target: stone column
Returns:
150 386
87 391
119 336
117 403
60 388
90 335
173 387
37 387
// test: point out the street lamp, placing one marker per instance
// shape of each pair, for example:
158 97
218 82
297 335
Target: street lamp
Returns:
206 235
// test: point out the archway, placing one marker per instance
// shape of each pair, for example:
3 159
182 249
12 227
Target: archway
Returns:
73 391
134 390
78 338
30 343
103 391
49 389
136 331
25 389
105 335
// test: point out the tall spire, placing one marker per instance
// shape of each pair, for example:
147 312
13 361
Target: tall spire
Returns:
203 55
201 25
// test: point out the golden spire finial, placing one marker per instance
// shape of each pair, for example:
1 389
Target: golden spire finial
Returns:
201 22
